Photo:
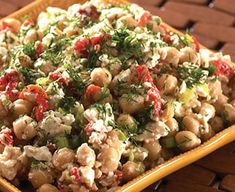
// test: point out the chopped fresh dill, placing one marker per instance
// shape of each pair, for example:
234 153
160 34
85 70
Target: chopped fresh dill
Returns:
192 74
67 103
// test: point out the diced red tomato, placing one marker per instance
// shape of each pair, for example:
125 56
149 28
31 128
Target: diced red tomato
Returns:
6 137
28 22
89 129
196 43
74 173
223 68
144 19
91 92
41 99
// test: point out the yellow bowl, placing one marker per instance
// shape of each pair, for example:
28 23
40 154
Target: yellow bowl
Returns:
224 137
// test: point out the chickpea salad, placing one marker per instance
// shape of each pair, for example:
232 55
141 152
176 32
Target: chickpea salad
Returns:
95 95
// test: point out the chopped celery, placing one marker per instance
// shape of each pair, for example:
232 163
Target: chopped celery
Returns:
61 141
121 135
42 81
188 95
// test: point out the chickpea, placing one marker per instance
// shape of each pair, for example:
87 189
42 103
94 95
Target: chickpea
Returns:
207 110
172 124
39 177
154 150
126 120
47 67
124 76
21 107
24 128
156 28
220 104
114 68
62 157
87 175
47 188
168 112
217 124
215 89
126 20
191 124
3 110
13 23
170 55
207 135
85 155
30 36
167 83
187 54
101 77
131 170
71 29
230 112
109 159
131 103
25 61
167 153
187 140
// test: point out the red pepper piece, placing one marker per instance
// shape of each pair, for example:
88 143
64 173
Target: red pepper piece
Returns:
223 68
143 73
92 91
55 76
144 19
41 99
196 43
154 95
6 136
89 129
4 26
81 46
28 22
96 40
74 172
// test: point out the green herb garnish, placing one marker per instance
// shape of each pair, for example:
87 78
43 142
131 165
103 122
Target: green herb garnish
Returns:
192 74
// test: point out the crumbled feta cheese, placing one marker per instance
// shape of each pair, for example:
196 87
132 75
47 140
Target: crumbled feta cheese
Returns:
56 122
38 153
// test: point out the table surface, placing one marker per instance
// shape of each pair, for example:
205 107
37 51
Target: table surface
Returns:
213 23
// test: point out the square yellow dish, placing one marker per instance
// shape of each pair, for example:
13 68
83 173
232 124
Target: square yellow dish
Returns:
222 138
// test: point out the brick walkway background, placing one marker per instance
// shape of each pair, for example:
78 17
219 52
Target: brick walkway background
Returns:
213 22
